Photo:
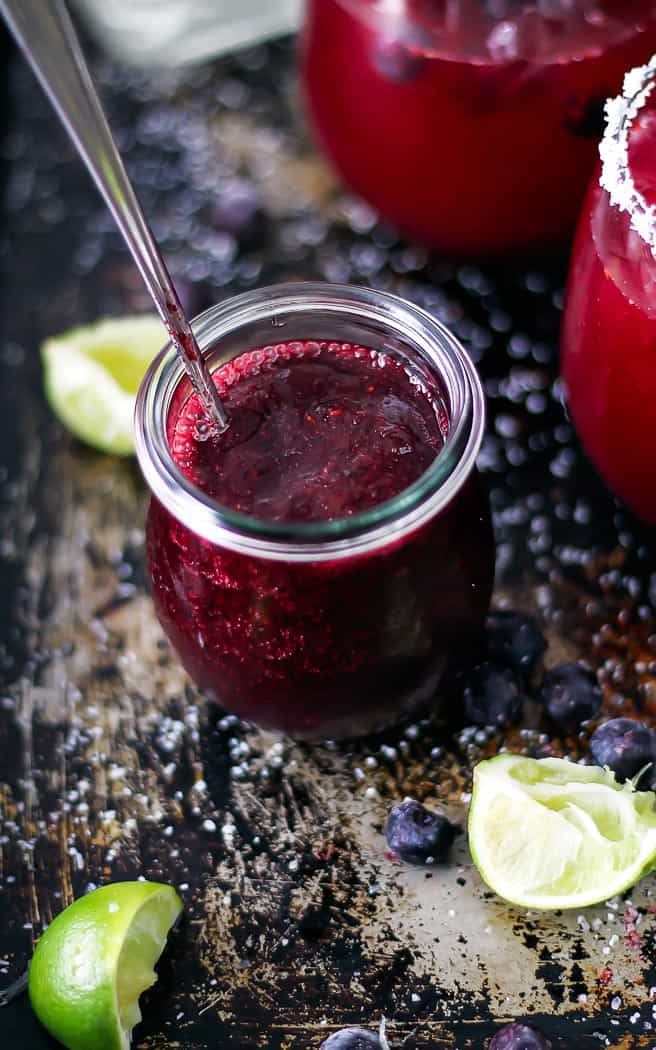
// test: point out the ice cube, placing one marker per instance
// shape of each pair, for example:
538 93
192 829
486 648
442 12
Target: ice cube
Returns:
503 42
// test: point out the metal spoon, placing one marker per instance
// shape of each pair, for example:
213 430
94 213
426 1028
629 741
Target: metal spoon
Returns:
44 31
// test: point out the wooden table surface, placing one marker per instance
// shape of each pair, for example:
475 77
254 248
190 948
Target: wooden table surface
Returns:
113 766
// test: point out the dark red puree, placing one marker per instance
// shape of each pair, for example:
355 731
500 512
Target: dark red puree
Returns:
317 647
317 431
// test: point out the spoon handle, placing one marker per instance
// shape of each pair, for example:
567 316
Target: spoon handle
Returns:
47 37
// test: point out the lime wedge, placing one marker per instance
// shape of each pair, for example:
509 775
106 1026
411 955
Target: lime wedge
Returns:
95 960
550 834
92 375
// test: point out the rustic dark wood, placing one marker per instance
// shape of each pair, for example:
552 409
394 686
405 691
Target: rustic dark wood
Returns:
111 764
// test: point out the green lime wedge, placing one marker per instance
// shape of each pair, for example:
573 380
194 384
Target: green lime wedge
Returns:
92 375
95 960
550 834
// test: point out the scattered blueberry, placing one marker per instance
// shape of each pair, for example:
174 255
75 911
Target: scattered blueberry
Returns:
570 695
417 835
238 210
519 1037
624 745
515 639
352 1039
492 696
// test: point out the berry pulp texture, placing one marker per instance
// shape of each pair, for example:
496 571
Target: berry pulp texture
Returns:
319 432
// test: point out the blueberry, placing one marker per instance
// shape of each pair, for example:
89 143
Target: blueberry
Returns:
570 695
624 745
352 1039
418 836
519 1037
515 639
238 211
492 696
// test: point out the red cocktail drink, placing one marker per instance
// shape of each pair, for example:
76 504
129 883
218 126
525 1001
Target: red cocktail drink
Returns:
609 329
471 125
315 565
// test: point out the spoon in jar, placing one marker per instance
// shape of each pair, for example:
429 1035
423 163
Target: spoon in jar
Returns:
46 35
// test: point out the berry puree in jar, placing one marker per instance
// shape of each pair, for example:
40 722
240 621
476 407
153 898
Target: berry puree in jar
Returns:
609 328
319 433
485 113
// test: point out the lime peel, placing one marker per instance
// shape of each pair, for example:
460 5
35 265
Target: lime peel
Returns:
95 960
549 834
92 374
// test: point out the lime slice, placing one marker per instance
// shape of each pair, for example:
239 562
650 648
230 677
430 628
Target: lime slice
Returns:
92 375
551 834
96 958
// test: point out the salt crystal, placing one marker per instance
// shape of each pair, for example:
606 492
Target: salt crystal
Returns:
616 176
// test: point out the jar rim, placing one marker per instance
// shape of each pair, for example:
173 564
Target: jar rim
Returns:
341 537
616 177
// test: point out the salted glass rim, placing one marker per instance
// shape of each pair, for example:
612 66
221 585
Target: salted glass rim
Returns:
341 537
616 177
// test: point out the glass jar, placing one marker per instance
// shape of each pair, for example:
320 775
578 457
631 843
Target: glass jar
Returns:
471 126
332 628
608 354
